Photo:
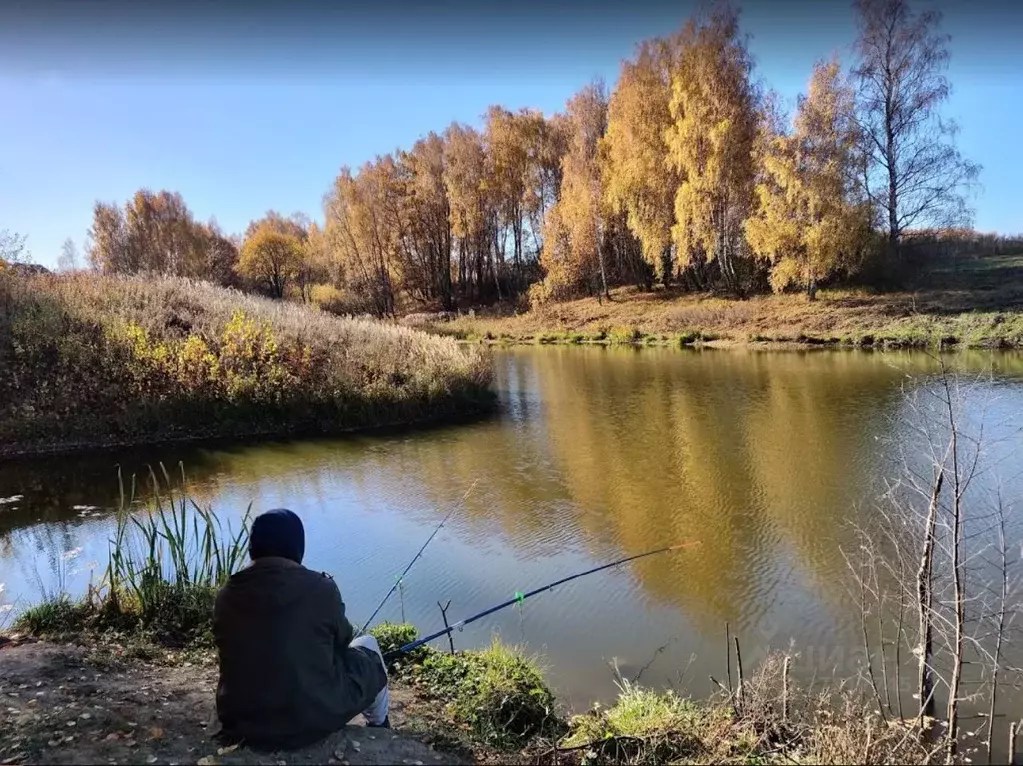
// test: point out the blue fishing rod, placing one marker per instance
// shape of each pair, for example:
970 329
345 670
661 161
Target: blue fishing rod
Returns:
518 598
397 583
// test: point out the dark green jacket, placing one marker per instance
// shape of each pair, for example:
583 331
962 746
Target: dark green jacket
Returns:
287 675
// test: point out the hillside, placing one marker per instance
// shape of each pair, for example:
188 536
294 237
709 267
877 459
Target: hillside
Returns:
93 361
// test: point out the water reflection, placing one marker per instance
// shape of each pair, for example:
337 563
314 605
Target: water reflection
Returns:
765 458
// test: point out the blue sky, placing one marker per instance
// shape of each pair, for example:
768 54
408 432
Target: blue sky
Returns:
265 116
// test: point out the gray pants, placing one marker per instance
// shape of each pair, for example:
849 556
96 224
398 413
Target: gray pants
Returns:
376 713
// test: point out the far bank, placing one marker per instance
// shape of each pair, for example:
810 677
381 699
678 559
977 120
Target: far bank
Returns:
979 304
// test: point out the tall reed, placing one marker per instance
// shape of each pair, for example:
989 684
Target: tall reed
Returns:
165 566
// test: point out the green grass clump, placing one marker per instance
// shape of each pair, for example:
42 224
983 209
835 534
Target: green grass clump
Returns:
647 726
391 636
55 616
92 359
690 338
498 693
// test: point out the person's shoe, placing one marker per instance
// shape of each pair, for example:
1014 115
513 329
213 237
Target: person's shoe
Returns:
385 725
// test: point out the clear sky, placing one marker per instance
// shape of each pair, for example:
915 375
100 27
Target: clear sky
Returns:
250 107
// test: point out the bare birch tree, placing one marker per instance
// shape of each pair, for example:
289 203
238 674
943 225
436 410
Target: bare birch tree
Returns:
913 173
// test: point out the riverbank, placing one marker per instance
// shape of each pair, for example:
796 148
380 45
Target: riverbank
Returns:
978 303
101 362
93 701
112 699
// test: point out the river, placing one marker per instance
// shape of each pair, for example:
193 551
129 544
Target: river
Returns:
766 458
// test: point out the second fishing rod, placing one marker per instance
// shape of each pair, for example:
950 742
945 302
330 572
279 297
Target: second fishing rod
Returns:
401 577
518 598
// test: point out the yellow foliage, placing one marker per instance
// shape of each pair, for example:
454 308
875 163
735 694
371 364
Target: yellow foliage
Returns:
360 233
638 179
808 225
714 126
271 258
573 229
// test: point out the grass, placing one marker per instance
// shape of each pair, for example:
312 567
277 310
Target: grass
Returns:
102 361
498 694
163 571
976 302
826 726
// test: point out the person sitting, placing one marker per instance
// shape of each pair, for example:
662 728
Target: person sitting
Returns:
290 673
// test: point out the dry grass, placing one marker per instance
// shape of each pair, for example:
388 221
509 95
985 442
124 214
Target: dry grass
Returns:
93 360
979 302
827 726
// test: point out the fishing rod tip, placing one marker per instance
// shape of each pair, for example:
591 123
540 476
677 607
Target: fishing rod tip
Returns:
686 544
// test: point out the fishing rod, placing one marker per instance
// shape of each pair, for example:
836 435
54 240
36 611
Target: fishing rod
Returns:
518 598
415 558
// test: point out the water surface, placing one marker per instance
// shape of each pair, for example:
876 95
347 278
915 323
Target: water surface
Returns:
767 459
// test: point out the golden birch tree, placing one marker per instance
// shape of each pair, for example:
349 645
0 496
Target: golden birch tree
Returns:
473 211
714 111
573 255
639 181
809 224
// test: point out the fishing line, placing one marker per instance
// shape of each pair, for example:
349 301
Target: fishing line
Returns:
401 577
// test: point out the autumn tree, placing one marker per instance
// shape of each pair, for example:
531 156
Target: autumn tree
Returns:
639 180
161 233
216 255
108 249
507 173
270 258
547 142
574 232
809 223
320 264
474 212
425 218
155 233
357 231
913 174
714 111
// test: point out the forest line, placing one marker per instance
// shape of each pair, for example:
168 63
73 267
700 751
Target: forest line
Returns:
687 174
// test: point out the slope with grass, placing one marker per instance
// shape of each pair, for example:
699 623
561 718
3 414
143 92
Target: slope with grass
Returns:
975 302
92 361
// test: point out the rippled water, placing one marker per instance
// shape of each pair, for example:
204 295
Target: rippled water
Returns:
765 458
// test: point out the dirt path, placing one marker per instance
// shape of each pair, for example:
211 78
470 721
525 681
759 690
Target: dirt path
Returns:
67 704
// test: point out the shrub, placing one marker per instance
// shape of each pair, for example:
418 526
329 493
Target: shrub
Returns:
498 693
625 335
392 636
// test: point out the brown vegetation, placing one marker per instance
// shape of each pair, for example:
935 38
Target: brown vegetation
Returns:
91 361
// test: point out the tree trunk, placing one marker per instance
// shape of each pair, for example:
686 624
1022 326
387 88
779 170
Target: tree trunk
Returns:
811 287
959 585
924 580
